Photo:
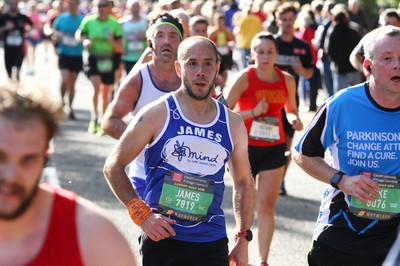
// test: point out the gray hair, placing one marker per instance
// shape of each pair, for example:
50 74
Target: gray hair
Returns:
374 37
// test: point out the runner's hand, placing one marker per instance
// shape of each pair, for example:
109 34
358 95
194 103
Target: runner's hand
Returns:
158 227
297 124
298 67
239 255
360 186
87 44
261 107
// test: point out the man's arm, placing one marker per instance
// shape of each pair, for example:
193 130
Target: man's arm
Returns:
303 71
305 65
235 91
291 105
100 241
124 102
141 131
243 189
358 186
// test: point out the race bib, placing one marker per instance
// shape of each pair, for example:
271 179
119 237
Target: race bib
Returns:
68 40
135 46
14 39
286 60
384 207
105 65
186 197
265 128
223 50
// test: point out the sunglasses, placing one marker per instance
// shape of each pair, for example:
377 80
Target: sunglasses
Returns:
102 5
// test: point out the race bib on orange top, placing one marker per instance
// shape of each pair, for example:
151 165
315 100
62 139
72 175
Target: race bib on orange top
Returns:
265 128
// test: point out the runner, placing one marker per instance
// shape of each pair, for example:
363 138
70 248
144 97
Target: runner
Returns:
100 35
134 28
13 25
359 213
191 136
146 83
41 224
69 51
259 93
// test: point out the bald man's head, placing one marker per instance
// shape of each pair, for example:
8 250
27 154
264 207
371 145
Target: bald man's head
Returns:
189 42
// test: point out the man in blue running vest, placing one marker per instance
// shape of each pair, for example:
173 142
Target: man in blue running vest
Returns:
359 128
189 137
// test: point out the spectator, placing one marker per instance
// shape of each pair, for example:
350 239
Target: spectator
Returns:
343 73
269 9
357 15
324 61
387 17
306 31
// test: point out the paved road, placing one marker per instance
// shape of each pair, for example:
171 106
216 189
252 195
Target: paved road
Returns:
79 158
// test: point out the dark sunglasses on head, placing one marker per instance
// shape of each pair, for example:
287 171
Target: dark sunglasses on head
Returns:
102 5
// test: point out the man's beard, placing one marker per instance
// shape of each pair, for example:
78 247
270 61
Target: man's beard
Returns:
189 90
27 200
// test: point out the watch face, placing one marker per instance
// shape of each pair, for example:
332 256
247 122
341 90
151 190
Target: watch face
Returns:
249 235
336 179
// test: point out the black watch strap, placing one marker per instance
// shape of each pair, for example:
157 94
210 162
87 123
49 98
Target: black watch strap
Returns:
336 179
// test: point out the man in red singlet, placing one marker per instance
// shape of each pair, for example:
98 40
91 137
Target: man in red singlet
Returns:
41 224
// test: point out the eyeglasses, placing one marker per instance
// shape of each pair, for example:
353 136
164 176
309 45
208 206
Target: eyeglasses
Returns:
102 5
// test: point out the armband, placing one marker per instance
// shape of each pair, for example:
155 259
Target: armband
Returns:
138 210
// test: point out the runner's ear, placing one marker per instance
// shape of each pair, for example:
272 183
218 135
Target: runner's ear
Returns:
150 44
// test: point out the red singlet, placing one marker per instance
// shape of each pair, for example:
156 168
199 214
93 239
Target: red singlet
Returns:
274 93
61 246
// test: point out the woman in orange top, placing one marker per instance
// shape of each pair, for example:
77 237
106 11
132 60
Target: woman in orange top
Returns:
259 93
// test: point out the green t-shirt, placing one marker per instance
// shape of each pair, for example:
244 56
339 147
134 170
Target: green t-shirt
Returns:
97 31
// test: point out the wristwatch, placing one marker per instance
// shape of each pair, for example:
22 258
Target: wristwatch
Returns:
248 234
336 179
